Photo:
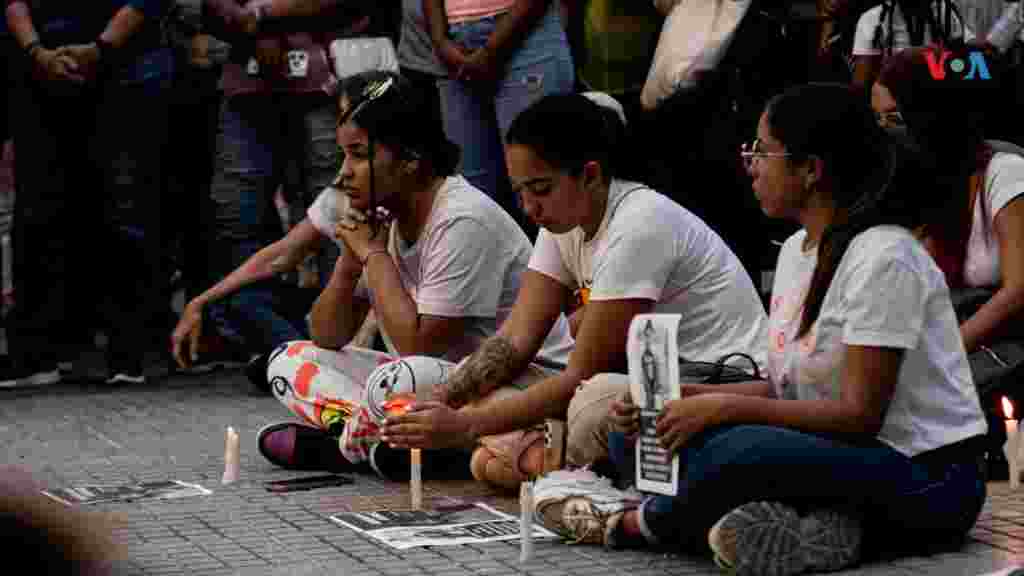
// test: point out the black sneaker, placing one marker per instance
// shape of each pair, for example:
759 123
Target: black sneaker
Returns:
395 463
294 446
256 373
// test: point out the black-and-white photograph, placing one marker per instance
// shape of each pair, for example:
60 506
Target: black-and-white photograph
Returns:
652 351
84 494
469 524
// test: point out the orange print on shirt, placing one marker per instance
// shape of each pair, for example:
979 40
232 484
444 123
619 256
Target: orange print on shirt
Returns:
304 378
297 348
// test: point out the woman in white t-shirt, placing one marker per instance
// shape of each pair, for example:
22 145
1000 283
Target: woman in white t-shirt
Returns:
977 235
624 249
439 263
864 439
894 25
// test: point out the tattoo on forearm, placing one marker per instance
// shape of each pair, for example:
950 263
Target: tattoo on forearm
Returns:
492 363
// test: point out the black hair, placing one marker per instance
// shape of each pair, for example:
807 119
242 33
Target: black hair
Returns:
833 123
935 16
569 130
396 112
944 118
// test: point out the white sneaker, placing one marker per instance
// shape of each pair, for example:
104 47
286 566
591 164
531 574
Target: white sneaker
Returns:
125 378
771 539
582 506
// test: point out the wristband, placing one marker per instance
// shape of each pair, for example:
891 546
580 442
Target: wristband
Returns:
105 48
372 253
31 46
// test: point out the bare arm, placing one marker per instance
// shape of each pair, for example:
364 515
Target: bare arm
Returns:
997 315
276 258
760 388
600 347
503 357
868 379
865 70
411 333
19 22
337 313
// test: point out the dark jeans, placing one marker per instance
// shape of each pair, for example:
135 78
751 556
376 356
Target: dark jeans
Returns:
908 505
57 217
87 231
262 140
132 134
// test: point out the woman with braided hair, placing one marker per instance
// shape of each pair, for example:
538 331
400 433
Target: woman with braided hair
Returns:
895 25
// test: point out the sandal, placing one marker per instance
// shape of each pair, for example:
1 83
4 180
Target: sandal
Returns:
499 459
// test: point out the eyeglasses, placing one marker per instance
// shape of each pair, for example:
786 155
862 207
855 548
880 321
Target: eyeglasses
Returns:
890 119
751 150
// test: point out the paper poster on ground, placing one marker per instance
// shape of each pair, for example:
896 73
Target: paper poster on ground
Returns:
474 523
84 494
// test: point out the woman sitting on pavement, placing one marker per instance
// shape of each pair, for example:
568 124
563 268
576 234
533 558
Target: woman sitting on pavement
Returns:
978 235
866 436
440 269
628 250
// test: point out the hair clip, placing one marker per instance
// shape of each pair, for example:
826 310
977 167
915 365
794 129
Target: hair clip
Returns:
373 91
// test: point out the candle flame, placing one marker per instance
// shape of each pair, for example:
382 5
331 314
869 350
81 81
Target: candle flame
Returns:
1007 408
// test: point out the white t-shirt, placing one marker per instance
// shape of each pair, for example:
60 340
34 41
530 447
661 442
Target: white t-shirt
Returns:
466 264
1004 181
649 247
864 44
887 292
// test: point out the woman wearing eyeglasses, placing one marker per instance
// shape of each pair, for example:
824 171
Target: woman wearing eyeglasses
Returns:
437 261
977 232
864 438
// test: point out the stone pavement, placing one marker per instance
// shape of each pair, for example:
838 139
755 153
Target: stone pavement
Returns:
174 429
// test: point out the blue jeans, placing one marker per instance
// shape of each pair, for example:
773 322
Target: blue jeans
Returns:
908 505
477 116
263 139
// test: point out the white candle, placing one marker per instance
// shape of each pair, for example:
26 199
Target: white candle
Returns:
415 478
525 522
416 461
230 456
1012 445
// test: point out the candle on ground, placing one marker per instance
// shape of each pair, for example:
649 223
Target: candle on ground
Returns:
1012 443
230 456
525 521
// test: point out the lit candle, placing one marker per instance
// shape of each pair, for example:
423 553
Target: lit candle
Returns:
525 521
1012 443
230 456
416 460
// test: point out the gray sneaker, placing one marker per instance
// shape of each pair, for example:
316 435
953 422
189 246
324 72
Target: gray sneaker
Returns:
768 538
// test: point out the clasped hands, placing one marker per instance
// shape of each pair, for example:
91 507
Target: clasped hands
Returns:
73 63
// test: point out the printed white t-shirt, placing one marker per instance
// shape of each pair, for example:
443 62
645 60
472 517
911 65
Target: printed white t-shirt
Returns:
863 40
887 292
466 264
649 247
1004 181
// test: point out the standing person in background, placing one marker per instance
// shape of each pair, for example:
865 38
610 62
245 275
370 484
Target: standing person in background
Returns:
91 101
416 57
277 110
501 56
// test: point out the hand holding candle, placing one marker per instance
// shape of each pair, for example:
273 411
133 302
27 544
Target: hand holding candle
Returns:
1011 447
